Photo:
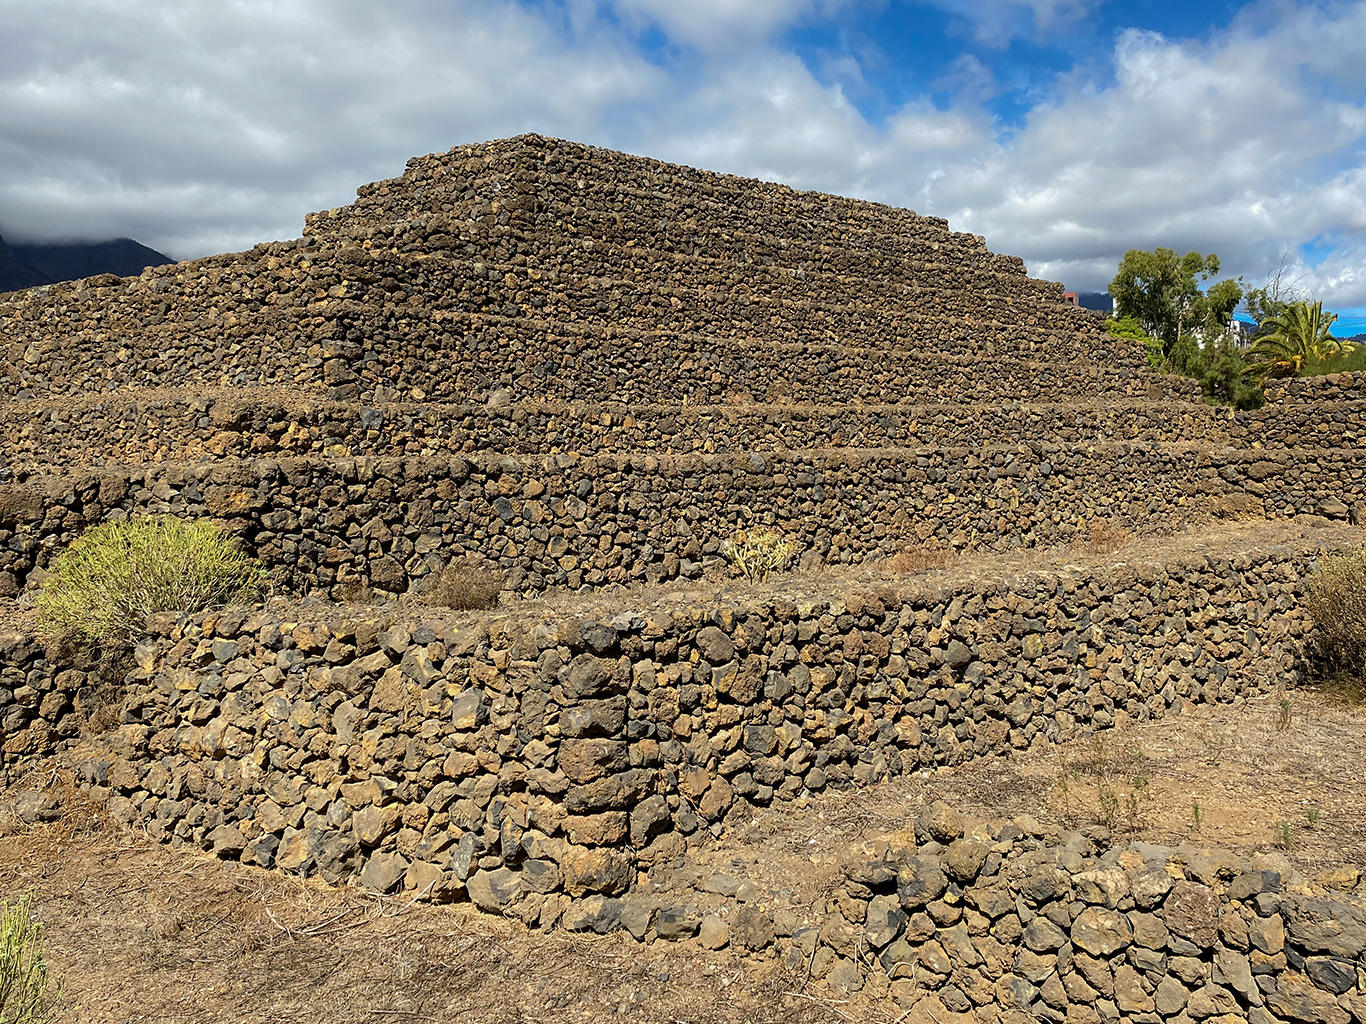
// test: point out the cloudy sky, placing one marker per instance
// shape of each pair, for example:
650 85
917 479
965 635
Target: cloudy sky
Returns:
1066 131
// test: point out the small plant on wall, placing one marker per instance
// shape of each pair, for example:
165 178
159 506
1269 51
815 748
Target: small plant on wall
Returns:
1336 598
759 553
101 589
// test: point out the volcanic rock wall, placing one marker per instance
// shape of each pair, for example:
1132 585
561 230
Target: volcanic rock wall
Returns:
353 746
593 369
538 763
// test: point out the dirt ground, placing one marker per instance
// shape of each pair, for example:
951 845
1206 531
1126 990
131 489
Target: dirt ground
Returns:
141 932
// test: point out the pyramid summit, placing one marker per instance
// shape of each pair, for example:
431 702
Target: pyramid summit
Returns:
594 368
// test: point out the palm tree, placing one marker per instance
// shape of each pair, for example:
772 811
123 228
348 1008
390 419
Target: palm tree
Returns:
1303 332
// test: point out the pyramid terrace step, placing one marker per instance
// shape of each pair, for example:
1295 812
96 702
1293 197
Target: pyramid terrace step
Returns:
181 309
454 356
152 425
516 186
565 521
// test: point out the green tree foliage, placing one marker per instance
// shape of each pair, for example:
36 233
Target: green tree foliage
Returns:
1183 329
1162 291
1223 373
1301 334
103 587
1129 329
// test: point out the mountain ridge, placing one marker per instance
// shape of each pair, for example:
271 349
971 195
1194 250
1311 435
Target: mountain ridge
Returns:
29 266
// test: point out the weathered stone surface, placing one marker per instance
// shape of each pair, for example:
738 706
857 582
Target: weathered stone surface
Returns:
1130 996
1171 997
586 760
964 859
1042 935
600 914
494 890
1231 968
595 871
1298 999
470 710
1150 888
636 917
1327 926
1211 1001
1034 967
920 881
715 645
713 933
1250 883
752 928
383 872
844 978
1331 974
1192 912
1101 932
872 863
1267 933
885 920
943 823
676 923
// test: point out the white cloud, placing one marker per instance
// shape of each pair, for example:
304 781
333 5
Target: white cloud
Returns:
196 125
996 22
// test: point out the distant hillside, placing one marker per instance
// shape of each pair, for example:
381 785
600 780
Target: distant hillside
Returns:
75 260
15 273
1095 300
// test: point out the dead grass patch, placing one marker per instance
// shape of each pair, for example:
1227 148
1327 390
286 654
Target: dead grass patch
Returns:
922 558
1103 538
1336 598
465 586
1104 780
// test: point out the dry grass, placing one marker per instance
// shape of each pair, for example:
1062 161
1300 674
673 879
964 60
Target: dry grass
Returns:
1104 780
1105 539
464 586
921 558
1336 598
759 553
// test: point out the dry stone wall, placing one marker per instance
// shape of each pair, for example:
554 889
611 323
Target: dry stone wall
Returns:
990 917
565 521
358 349
527 755
128 427
554 767
387 300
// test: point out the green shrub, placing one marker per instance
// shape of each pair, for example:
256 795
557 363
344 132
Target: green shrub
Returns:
760 553
103 587
1354 360
24 997
1336 598
1131 330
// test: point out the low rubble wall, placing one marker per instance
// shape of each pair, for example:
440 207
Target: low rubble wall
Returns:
543 765
540 753
993 919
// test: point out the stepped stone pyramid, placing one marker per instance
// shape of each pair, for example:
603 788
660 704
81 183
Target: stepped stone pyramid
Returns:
593 368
